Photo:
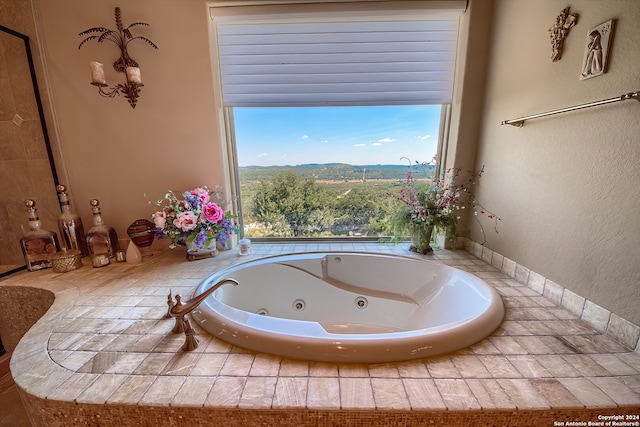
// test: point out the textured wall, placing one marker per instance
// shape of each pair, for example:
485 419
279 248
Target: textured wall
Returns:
122 156
566 186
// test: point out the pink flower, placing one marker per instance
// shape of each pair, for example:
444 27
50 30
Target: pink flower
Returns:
186 221
202 194
160 220
212 212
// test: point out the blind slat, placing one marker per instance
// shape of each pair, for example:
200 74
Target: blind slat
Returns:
361 67
340 99
329 28
406 47
293 79
320 88
337 58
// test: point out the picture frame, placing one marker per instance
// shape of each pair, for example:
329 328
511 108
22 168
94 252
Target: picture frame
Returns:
596 51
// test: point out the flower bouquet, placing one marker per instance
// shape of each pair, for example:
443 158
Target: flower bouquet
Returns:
196 220
434 204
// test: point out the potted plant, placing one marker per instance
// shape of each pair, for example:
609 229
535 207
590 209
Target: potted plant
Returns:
428 204
197 220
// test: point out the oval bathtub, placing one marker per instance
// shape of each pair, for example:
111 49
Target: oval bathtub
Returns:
349 307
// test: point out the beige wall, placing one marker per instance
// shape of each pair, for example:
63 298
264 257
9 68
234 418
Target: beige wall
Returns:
567 186
122 156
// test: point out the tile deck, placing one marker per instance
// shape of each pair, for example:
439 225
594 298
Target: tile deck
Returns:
104 343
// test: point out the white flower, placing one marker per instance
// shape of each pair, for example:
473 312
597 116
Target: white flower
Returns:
160 220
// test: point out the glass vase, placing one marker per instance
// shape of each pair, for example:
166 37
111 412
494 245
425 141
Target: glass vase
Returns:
195 253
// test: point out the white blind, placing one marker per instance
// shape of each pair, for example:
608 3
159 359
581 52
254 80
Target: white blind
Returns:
349 58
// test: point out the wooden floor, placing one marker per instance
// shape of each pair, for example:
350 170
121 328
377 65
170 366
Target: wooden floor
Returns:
12 413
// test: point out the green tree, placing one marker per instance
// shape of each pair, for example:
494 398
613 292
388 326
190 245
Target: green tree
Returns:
363 208
288 199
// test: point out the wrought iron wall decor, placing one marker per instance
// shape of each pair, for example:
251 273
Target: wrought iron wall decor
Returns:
125 64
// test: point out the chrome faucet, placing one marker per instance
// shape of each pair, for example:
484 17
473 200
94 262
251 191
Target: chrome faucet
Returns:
180 309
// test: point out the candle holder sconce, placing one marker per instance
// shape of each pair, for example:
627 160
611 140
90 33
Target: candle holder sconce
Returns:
125 64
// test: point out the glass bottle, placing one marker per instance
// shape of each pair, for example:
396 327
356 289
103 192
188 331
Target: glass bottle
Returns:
102 239
70 224
38 245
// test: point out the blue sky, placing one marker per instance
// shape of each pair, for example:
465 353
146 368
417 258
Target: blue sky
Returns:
354 135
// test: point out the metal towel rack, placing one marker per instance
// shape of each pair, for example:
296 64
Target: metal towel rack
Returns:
519 122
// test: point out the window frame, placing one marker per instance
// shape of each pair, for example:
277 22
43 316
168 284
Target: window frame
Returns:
228 130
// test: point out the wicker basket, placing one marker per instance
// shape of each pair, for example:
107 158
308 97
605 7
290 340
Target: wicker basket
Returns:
66 260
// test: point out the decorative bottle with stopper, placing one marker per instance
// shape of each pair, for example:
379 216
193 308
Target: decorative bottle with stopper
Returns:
70 224
102 239
38 245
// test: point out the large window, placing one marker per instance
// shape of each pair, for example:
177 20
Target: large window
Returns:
327 105
328 171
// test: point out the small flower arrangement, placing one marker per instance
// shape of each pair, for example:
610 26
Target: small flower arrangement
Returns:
196 219
425 205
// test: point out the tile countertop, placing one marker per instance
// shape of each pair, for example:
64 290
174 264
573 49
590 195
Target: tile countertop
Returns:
105 341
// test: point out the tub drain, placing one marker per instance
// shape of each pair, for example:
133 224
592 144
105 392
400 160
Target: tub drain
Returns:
262 312
299 305
361 302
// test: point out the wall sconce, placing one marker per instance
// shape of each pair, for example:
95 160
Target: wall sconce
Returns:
125 64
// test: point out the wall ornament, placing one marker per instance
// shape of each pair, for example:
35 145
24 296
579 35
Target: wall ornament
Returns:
560 30
125 64
596 50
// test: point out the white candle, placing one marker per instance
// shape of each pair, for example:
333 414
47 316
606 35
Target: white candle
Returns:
97 73
133 75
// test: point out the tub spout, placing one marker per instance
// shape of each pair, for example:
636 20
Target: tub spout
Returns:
181 308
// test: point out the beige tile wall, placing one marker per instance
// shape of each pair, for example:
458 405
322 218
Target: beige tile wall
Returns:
24 164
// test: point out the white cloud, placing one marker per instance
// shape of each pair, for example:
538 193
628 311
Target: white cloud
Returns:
262 155
376 144
305 136
386 140
324 141
423 137
358 145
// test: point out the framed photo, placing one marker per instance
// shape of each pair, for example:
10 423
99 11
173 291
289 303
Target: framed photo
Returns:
596 51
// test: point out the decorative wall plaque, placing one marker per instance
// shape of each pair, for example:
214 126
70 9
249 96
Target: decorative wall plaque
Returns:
596 51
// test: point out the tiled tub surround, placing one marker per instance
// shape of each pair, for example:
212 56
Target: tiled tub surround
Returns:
600 318
104 355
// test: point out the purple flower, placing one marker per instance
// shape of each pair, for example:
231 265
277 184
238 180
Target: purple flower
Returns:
201 239
192 200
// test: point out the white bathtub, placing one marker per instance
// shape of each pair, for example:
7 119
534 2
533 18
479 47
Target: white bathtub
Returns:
349 307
